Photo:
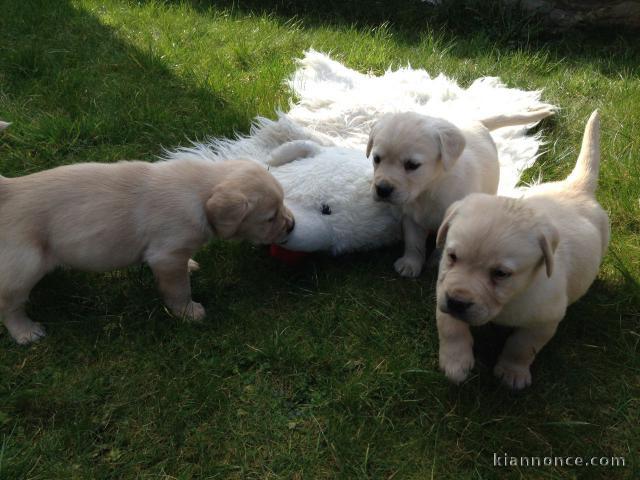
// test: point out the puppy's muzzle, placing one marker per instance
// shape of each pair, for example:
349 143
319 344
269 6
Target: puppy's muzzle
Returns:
384 190
456 307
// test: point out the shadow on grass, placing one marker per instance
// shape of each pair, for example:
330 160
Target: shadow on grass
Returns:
105 92
466 27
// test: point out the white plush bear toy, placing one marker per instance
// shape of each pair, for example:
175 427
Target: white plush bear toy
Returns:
328 189
317 149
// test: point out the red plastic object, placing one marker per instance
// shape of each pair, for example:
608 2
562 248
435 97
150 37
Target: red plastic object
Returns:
287 256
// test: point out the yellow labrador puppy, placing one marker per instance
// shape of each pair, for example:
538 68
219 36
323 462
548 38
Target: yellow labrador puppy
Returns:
519 262
424 164
99 217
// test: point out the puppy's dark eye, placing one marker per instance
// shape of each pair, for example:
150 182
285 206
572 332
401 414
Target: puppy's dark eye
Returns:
326 209
376 159
410 165
271 219
452 257
499 274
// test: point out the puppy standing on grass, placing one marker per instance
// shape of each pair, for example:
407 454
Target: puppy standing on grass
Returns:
99 217
520 263
424 164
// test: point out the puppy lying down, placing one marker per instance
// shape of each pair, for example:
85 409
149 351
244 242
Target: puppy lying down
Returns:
99 217
519 262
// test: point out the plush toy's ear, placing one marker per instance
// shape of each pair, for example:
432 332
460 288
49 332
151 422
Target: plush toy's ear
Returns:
226 209
294 150
452 143
441 238
548 240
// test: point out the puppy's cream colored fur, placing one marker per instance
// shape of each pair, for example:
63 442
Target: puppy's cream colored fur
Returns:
519 262
99 217
424 164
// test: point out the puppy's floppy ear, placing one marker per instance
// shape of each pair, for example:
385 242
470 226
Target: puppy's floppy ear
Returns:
226 209
441 238
372 135
374 131
452 143
548 240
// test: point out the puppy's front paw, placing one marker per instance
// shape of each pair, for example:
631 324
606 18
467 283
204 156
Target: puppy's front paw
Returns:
194 312
456 361
513 375
408 266
27 332
191 312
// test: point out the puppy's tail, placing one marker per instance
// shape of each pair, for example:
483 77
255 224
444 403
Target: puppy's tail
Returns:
294 150
525 118
584 176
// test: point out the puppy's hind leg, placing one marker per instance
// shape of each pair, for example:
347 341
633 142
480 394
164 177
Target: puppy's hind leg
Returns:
193 266
172 274
20 272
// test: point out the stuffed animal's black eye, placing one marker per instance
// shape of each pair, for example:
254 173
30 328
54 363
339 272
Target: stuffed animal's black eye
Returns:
326 209
410 165
376 159
453 257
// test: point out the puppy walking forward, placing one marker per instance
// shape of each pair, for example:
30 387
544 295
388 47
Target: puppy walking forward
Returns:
99 217
520 263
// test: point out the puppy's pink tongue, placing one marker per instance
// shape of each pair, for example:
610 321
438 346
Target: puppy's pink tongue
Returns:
287 256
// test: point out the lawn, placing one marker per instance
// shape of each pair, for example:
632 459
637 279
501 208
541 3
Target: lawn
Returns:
327 370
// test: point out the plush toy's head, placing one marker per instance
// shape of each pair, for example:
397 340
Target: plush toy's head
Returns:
328 190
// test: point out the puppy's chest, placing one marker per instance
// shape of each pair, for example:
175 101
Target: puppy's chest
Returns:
532 308
514 315
427 214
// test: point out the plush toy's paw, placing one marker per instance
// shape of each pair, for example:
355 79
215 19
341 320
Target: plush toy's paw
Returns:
408 266
27 332
513 375
456 361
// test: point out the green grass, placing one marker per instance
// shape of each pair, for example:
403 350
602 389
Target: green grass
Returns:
328 370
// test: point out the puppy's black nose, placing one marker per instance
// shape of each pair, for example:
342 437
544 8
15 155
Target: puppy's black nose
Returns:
292 226
383 189
457 306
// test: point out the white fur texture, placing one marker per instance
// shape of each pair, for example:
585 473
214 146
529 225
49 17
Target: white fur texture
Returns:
335 109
